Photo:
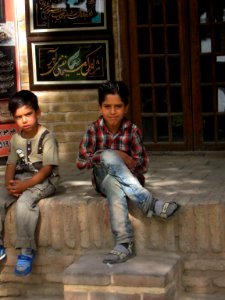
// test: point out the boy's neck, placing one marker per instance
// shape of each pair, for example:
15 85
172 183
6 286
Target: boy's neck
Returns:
113 129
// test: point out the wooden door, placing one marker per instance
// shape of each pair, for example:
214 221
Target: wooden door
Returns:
177 85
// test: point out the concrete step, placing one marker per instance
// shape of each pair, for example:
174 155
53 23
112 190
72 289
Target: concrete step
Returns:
152 276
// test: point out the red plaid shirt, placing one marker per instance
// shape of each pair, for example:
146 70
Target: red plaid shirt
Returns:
98 138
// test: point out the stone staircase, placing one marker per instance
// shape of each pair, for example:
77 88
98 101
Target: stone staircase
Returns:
73 235
181 259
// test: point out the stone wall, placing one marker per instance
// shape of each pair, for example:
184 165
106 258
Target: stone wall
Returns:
66 112
76 222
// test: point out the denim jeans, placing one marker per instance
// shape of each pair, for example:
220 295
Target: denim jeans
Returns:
117 183
27 211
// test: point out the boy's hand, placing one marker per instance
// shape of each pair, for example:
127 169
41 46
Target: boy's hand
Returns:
16 187
128 160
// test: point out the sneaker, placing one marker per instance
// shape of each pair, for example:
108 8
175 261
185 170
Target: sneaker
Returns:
120 254
24 264
168 210
2 253
163 210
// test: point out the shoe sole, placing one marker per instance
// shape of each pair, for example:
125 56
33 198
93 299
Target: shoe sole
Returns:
112 262
22 274
3 256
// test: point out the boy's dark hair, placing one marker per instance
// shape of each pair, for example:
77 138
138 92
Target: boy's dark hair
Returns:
113 88
21 98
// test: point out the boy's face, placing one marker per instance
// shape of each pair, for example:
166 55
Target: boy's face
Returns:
27 120
113 110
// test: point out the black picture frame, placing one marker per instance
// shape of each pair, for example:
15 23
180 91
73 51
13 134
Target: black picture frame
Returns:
8 82
69 64
45 16
2 11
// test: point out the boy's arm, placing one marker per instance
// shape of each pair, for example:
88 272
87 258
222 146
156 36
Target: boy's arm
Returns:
138 151
40 176
20 186
87 154
9 179
9 174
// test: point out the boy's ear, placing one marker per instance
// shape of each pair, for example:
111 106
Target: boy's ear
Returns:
38 114
126 108
100 108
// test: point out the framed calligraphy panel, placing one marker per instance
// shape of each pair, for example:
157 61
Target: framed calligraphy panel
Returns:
44 16
7 71
58 64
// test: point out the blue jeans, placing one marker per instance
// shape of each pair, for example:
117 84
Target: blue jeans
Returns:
27 211
117 183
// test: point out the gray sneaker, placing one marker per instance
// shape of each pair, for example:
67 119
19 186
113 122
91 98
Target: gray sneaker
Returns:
120 254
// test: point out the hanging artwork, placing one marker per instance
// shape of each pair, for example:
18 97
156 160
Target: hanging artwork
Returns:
7 71
46 16
58 64
69 43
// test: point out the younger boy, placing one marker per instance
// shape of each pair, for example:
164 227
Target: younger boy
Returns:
31 174
113 147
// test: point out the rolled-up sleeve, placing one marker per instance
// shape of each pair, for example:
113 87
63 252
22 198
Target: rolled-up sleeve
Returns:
87 155
138 151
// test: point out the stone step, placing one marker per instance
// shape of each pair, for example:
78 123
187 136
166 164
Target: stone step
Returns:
30 287
148 276
40 297
201 297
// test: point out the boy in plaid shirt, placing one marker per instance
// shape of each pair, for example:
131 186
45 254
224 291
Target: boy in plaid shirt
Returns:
113 147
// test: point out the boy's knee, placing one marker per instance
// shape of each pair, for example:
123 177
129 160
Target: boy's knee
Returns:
110 184
25 203
109 156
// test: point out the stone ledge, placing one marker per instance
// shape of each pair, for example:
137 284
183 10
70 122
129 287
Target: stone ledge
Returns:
147 270
76 221
152 274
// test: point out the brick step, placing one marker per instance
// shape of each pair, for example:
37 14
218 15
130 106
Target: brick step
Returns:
40 297
43 298
149 276
201 297
28 288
